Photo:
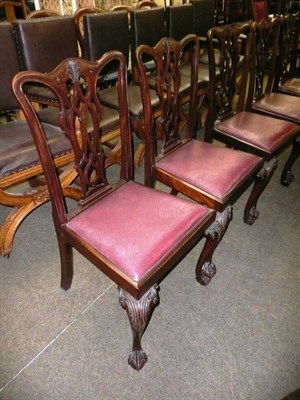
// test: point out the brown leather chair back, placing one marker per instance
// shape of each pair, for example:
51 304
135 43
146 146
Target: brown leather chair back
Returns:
147 27
179 21
203 16
105 32
9 67
44 43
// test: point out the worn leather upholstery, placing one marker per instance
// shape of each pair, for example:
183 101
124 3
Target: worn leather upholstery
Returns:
109 98
109 122
203 167
43 43
279 104
273 133
136 246
18 151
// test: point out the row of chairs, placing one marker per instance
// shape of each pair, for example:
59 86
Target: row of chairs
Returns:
137 234
41 46
61 7
45 8
228 11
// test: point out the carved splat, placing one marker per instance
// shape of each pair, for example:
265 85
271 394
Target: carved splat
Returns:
206 269
139 313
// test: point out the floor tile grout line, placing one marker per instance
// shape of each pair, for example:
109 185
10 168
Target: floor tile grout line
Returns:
56 337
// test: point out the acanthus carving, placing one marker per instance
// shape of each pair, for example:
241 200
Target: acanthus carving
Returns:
139 313
251 212
206 269
268 169
219 226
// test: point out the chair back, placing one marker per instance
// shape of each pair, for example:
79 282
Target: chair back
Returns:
74 84
143 22
266 40
78 18
9 67
288 52
105 32
179 20
203 17
167 56
44 43
228 69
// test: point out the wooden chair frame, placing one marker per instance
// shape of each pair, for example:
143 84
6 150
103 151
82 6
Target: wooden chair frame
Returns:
104 208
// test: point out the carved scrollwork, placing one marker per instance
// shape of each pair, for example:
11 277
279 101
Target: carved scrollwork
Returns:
206 269
268 169
251 212
219 226
139 313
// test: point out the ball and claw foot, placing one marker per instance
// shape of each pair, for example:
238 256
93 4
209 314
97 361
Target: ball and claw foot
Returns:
252 216
287 179
139 313
137 359
208 271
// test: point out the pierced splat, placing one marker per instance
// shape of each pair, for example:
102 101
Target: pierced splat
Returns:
139 313
266 39
83 107
167 88
168 55
226 65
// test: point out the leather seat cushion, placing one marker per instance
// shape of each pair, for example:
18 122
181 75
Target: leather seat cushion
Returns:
137 227
203 72
109 98
40 94
292 86
18 151
110 121
213 170
279 104
261 131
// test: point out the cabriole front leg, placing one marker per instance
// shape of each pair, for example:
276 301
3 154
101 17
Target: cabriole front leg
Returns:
262 179
287 176
206 269
139 313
